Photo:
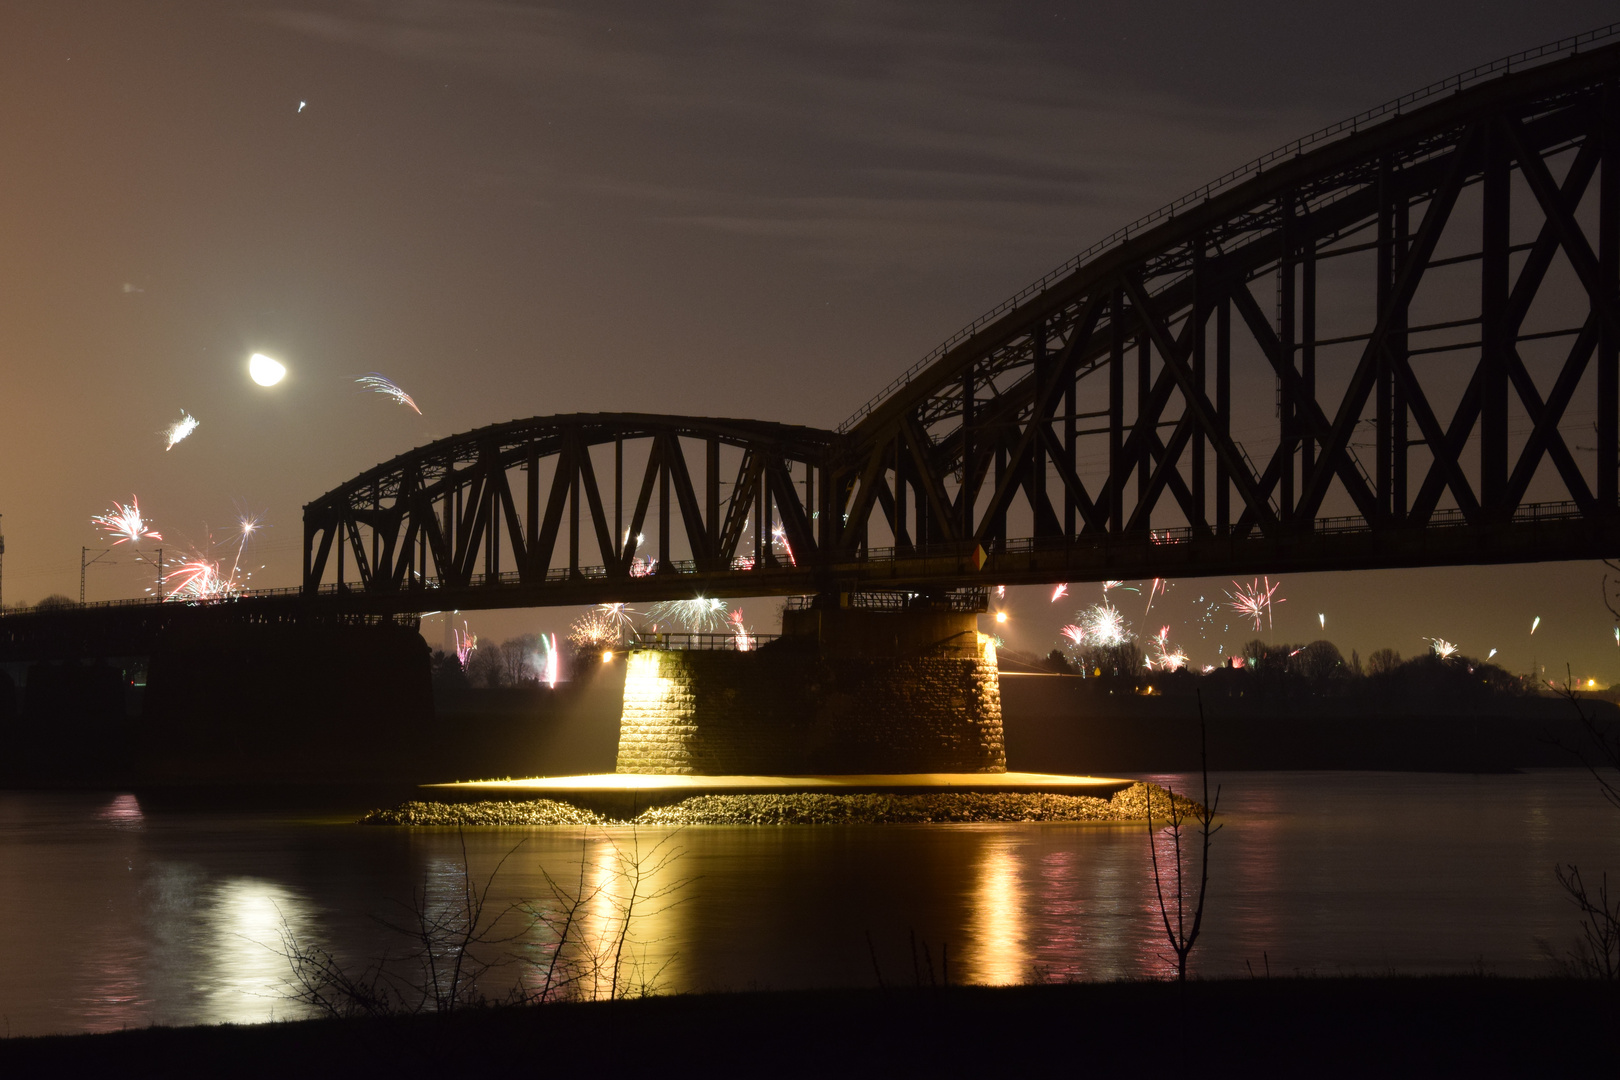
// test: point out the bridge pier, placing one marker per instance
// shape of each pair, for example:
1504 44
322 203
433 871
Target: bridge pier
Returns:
849 688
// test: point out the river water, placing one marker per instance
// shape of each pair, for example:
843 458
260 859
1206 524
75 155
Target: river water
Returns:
118 911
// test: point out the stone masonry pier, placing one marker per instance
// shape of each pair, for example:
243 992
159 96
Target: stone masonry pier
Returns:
844 690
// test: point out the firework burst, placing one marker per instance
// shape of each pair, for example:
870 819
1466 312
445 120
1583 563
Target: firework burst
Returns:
126 523
179 429
1074 634
1442 648
1254 601
700 615
1102 624
199 580
622 616
1059 592
1165 655
596 629
381 384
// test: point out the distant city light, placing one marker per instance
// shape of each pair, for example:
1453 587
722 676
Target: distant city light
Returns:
265 371
1001 616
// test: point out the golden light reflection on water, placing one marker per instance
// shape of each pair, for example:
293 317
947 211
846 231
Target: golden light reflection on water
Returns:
997 950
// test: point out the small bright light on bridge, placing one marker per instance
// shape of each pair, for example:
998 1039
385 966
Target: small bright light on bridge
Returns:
1001 616
607 656
265 371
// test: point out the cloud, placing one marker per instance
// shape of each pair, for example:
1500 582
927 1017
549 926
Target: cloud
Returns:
873 135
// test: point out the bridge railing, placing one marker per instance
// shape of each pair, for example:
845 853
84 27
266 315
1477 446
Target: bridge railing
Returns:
1348 125
960 552
715 642
1452 517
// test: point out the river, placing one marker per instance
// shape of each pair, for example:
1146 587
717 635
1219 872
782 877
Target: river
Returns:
118 910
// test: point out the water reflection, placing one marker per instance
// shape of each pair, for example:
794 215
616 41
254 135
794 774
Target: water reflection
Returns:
996 949
123 812
116 912
243 970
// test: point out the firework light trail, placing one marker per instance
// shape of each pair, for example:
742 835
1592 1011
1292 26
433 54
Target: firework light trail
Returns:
1493 651
550 660
466 642
179 429
382 384
1253 601
745 640
1444 649
1158 587
1075 634
1535 622
126 523
1059 591
779 540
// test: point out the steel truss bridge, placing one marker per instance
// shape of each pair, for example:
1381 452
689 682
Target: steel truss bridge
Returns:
1393 343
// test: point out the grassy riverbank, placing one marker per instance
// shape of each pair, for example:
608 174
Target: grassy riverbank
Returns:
1316 1027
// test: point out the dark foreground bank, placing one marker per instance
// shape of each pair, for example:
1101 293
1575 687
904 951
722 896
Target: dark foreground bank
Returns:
1314 1027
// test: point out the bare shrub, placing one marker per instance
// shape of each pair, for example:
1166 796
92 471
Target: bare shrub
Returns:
1181 937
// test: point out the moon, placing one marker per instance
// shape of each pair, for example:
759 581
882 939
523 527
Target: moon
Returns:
265 371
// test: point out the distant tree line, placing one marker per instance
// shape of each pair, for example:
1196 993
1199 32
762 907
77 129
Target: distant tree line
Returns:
1312 669
517 662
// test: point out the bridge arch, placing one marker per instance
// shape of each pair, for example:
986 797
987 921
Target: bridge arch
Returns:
557 508
1360 354
1368 349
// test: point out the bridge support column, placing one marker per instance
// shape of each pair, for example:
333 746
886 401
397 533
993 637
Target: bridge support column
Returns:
844 690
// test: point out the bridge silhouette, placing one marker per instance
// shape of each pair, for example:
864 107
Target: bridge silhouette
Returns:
1419 294
1359 351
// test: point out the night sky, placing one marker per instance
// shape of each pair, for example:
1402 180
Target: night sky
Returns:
515 209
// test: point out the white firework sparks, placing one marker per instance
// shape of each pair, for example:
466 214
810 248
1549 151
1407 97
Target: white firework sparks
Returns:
1103 625
700 615
382 384
179 429
1444 649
